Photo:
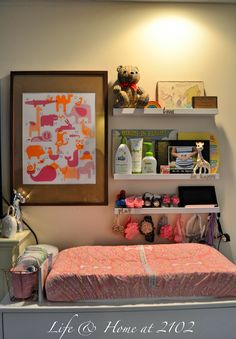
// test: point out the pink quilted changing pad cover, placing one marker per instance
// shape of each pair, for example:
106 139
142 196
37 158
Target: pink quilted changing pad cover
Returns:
141 271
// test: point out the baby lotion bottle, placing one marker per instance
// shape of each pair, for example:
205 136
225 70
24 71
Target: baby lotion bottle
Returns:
136 146
123 159
149 163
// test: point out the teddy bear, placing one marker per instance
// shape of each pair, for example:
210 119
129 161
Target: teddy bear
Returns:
127 92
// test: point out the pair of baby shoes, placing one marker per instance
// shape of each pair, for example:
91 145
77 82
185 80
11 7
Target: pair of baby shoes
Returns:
170 201
151 200
134 202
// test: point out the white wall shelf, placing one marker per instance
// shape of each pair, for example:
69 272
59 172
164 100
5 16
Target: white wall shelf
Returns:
167 210
179 176
164 112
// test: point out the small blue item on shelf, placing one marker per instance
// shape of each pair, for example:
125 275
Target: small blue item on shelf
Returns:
120 202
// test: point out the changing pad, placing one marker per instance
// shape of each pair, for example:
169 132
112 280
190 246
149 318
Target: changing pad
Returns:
141 271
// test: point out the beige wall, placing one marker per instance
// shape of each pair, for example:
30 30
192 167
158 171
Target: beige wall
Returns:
167 42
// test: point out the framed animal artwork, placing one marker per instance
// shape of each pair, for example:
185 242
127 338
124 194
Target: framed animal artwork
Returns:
59 137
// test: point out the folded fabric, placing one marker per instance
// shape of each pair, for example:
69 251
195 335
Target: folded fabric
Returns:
35 255
50 249
29 258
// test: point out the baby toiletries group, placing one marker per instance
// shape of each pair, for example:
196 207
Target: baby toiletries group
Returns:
130 159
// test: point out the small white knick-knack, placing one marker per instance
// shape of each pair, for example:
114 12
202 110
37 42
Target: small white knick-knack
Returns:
9 223
17 200
203 165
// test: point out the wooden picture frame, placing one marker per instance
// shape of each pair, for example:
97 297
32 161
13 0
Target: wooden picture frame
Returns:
59 144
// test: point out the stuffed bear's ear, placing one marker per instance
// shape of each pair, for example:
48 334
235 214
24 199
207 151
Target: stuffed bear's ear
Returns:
119 68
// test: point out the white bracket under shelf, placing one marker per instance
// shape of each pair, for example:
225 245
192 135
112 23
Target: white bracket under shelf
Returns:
167 210
164 112
157 176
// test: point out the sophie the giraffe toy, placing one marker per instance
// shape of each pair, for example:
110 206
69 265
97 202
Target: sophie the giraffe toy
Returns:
201 164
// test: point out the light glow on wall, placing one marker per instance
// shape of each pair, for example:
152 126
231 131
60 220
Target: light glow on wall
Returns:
173 33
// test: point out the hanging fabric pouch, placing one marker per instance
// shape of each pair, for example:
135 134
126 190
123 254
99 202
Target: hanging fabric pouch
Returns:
178 230
194 230
211 228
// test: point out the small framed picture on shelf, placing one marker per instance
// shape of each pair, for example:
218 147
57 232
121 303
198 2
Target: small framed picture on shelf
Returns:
179 155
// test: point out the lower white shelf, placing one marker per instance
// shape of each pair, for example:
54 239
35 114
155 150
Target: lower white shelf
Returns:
157 176
167 210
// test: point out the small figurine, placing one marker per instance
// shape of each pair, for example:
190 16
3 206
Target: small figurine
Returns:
201 164
17 200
